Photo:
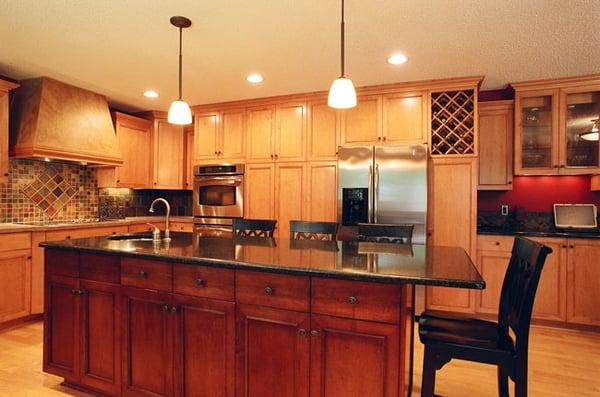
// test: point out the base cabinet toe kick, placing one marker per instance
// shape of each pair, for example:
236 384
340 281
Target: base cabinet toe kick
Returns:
122 326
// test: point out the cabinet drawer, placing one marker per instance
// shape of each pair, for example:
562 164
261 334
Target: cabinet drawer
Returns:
15 241
62 263
106 268
495 243
68 234
182 227
357 300
275 290
204 281
147 274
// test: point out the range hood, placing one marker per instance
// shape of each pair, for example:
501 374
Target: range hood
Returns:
53 120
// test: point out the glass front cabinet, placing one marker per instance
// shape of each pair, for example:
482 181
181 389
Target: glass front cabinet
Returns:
556 127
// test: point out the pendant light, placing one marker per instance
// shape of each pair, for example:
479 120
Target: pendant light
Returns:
179 112
342 94
594 133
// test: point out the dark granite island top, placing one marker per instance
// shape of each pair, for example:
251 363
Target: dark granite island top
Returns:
385 263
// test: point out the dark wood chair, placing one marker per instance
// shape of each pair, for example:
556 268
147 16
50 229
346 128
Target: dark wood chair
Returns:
300 230
385 233
253 227
447 336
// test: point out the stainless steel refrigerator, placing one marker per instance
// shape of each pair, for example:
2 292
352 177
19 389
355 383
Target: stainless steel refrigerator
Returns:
384 184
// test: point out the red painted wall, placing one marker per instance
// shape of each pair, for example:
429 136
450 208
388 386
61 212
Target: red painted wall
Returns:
538 193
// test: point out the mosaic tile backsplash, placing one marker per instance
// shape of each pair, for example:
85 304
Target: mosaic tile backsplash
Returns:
39 191
121 203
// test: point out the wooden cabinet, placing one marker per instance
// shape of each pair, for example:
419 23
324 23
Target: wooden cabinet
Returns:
272 346
496 145
334 341
452 222
15 281
583 282
405 118
259 193
551 118
134 136
261 134
220 136
37 272
363 125
492 266
188 163
322 191
5 87
550 298
167 161
324 131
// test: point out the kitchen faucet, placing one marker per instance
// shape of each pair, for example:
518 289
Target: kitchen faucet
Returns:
151 210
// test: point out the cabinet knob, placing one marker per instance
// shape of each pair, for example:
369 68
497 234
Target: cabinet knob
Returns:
314 333
271 157
174 309
510 182
165 308
77 292
301 332
199 282
497 242
6 174
269 291
563 246
276 156
118 181
384 138
562 166
352 300
216 152
68 237
143 274
379 138
571 246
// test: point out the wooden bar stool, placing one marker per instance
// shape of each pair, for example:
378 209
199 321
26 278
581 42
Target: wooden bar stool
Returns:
300 230
253 227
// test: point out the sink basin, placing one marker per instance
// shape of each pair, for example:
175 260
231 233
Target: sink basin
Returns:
132 237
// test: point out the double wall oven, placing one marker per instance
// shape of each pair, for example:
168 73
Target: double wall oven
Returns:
218 195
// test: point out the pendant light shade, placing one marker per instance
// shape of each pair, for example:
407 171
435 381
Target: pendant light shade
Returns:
342 94
179 111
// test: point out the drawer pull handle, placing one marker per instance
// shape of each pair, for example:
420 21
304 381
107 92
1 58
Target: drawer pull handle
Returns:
301 332
143 274
165 308
352 300
314 333
269 291
199 282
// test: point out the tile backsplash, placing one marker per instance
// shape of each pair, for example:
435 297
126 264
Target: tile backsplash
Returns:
39 191
121 203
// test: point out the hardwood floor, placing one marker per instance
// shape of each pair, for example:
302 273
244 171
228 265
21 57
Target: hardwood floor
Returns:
562 363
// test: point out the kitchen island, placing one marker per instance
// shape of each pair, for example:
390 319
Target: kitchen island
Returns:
210 316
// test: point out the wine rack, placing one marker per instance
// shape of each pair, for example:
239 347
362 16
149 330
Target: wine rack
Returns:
453 122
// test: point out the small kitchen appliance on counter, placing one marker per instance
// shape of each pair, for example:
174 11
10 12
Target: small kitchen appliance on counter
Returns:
575 216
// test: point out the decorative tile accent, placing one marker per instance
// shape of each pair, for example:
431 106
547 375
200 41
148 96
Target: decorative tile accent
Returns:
50 191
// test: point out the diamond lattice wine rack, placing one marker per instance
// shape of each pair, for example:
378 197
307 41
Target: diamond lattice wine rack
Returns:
453 122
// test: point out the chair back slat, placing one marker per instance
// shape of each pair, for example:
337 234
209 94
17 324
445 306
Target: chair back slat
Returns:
385 233
253 227
519 287
301 230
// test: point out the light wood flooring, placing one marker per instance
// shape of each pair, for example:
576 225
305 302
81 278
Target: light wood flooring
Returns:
563 363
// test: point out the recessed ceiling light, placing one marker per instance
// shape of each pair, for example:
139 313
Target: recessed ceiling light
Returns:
255 78
397 59
151 94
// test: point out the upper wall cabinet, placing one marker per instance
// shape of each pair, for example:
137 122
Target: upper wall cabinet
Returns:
555 122
167 147
362 125
405 118
5 87
261 134
220 136
495 145
324 126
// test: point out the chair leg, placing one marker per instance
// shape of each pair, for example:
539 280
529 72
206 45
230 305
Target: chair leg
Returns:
429 368
521 380
502 381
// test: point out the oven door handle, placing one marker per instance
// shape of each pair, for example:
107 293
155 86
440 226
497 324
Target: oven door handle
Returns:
220 180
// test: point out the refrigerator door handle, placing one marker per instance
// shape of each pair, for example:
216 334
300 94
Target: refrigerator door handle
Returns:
370 192
376 191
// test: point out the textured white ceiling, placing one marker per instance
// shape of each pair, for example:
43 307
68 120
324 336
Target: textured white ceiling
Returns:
121 48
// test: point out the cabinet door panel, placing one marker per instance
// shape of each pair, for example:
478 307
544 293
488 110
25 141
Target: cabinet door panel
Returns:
290 193
260 140
205 136
259 195
146 344
322 191
550 303
362 124
168 160
205 347
353 358
492 265
291 136
323 131
495 145
101 327
232 135
405 118
272 358
583 299
15 281
61 327
133 140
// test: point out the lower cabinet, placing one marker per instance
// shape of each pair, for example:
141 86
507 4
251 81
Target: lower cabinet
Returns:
583 281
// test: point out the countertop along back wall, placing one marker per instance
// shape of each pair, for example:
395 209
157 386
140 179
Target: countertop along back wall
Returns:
539 193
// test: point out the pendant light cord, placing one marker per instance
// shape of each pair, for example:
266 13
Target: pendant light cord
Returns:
343 44
180 57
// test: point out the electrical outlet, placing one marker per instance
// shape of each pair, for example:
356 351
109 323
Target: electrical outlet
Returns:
504 209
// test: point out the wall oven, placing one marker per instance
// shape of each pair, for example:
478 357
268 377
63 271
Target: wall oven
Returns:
218 193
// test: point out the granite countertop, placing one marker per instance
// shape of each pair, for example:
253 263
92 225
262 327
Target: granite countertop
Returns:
18 227
386 263
550 232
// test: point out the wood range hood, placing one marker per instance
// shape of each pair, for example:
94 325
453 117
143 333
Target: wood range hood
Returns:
53 120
